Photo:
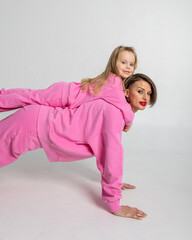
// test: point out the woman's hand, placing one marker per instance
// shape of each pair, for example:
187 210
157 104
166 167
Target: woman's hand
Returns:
127 186
129 212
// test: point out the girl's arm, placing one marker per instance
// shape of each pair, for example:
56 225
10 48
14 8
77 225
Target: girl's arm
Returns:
54 96
127 128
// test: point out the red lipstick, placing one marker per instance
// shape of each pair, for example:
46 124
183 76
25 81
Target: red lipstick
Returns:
143 103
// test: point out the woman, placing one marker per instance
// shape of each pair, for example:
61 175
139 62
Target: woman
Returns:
92 129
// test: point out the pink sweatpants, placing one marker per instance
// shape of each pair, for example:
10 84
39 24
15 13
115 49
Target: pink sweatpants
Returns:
18 134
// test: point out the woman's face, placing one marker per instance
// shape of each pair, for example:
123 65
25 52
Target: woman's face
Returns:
138 95
125 64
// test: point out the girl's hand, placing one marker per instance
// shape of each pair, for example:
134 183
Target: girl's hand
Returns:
129 212
126 128
127 186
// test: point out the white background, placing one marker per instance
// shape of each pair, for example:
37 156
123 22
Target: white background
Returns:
45 41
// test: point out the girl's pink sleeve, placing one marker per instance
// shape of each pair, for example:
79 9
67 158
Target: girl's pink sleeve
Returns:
113 93
117 98
109 153
54 96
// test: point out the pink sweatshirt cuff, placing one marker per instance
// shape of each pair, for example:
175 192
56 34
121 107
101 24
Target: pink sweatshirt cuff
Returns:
114 206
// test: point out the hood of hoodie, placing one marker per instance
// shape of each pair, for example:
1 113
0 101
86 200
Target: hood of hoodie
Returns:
112 92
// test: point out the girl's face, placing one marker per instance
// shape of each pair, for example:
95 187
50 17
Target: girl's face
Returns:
139 95
125 64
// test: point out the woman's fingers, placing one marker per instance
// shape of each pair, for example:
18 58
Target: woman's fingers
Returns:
127 186
141 214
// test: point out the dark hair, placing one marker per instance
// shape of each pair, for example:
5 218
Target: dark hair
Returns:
139 76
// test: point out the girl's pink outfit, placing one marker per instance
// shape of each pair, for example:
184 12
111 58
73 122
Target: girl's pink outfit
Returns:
83 129
64 94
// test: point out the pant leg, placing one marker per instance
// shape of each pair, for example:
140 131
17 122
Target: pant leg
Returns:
18 134
4 91
55 96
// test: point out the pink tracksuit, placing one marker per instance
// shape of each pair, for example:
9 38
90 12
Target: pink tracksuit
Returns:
92 128
64 94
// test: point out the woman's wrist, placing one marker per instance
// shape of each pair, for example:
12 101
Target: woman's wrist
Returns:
114 206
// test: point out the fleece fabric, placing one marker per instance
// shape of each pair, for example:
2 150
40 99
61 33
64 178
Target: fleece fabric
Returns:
70 125
64 94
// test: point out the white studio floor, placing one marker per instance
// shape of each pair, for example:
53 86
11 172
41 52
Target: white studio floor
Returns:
42 200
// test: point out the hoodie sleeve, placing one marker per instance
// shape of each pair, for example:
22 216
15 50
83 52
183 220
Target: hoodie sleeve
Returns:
114 94
116 97
55 96
107 147
108 150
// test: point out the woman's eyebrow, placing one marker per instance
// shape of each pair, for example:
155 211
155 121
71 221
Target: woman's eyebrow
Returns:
145 89
142 88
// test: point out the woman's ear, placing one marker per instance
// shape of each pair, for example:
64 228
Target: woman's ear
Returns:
127 93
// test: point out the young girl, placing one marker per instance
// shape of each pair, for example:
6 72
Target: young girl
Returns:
108 86
92 129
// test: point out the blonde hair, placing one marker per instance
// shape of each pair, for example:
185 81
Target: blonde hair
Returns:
98 82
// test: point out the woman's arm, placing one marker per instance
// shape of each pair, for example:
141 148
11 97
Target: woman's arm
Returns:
109 153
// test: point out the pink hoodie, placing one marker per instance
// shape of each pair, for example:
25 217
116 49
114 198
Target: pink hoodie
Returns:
89 126
68 94
93 129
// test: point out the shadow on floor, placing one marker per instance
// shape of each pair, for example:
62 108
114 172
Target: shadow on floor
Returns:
79 174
